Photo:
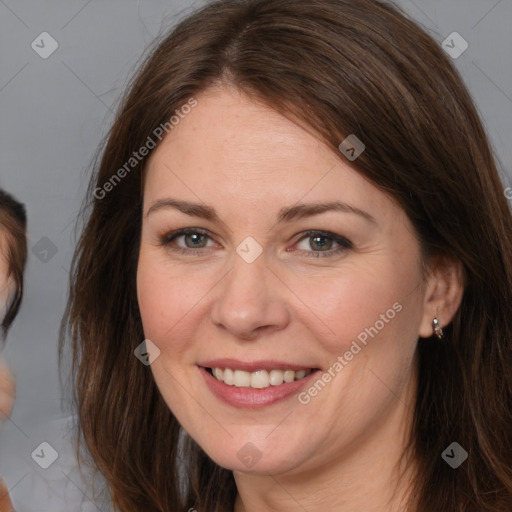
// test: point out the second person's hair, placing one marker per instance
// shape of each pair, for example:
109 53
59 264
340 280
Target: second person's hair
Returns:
13 227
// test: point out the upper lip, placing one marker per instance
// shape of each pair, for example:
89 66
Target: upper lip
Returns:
252 366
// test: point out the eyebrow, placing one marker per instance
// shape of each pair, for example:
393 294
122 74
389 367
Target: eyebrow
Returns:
286 214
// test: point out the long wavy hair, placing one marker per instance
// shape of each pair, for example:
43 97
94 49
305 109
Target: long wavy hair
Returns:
339 67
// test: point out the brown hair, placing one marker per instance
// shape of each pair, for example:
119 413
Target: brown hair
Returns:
13 227
340 67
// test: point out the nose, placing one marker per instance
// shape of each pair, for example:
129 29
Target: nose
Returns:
250 301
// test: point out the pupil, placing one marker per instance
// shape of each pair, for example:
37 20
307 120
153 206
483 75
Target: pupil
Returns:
195 238
321 245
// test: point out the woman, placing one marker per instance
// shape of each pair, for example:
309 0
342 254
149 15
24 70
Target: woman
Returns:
13 256
298 211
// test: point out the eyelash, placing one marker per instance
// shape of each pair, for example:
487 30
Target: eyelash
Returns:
343 242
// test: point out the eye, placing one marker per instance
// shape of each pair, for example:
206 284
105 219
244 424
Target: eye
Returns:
322 242
195 239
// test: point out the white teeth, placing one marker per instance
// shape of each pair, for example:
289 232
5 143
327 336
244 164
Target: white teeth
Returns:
260 379
289 376
300 374
242 379
276 377
228 377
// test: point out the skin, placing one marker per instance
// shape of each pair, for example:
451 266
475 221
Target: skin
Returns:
340 451
7 290
5 500
7 384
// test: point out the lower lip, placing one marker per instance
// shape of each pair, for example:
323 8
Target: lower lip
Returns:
250 397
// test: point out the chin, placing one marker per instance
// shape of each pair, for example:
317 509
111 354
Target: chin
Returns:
252 460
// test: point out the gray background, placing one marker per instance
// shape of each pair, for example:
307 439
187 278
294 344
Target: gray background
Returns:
55 111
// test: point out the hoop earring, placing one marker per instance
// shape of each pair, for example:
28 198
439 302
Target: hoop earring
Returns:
438 330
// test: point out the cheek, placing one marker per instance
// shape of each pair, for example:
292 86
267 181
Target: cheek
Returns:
168 298
363 303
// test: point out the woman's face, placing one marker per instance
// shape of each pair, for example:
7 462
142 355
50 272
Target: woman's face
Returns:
249 288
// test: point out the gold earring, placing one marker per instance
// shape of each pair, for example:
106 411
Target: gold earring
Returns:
438 330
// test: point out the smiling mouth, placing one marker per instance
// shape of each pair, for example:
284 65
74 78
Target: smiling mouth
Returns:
260 379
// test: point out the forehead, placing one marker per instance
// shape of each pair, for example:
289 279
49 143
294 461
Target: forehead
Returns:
230 149
229 131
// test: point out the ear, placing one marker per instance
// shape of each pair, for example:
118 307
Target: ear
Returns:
443 293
